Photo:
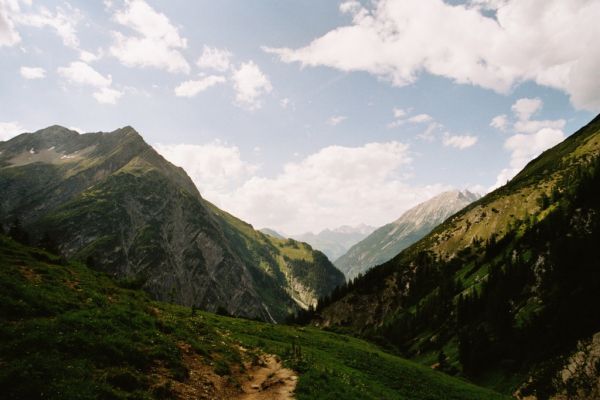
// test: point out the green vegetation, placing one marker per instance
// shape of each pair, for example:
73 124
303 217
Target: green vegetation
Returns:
505 288
110 200
68 332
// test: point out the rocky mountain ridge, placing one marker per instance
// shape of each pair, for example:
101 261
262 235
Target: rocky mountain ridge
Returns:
109 199
389 240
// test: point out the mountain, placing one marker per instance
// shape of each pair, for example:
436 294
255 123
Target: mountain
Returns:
504 291
69 332
389 240
111 200
335 242
272 232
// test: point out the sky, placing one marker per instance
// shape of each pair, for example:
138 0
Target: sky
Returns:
304 115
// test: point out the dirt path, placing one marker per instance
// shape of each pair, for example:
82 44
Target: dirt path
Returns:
269 381
263 378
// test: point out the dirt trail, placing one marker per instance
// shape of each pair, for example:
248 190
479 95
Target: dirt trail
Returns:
263 379
269 381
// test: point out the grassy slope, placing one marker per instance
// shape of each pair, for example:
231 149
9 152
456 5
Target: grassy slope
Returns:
68 332
513 208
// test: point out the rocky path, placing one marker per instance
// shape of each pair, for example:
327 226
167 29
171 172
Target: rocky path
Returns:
269 381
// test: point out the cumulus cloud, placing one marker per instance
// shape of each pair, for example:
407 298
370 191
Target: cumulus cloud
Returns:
402 117
420 118
215 168
8 32
193 87
32 72
155 42
63 21
499 122
80 73
285 103
336 120
459 141
400 113
428 134
336 185
552 43
88 56
8 130
530 138
214 58
525 108
250 83
107 95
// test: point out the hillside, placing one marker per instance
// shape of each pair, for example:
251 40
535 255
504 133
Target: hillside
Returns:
504 288
389 240
112 201
69 332
335 242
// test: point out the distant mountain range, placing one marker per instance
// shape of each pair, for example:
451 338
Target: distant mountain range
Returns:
110 200
389 240
335 242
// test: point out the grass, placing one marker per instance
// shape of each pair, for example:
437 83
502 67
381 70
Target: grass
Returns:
67 332
341 367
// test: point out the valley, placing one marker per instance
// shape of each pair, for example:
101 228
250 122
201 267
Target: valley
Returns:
109 292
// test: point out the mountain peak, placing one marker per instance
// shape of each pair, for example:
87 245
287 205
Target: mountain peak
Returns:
56 131
389 240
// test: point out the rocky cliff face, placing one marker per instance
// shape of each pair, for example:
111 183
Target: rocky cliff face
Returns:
389 240
110 200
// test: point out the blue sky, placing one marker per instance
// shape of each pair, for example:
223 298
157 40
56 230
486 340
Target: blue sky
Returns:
305 115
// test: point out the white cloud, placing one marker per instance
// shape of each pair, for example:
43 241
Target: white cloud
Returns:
214 58
107 95
459 141
250 83
215 168
156 42
420 118
336 120
400 113
429 133
88 56
551 42
525 108
499 122
396 123
63 21
334 186
350 7
285 102
193 87
533 126
8 32
81 73
8 130
32 72
531 137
